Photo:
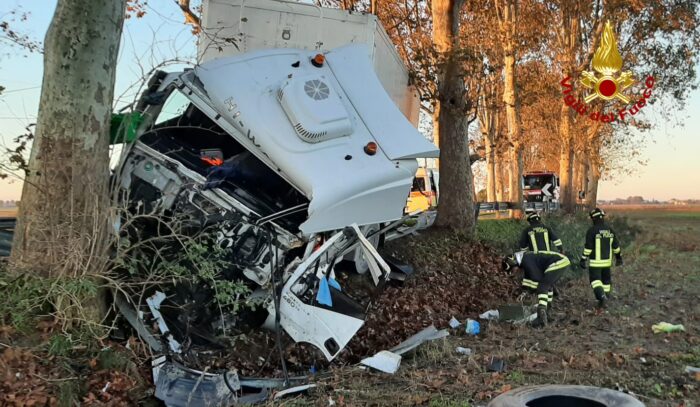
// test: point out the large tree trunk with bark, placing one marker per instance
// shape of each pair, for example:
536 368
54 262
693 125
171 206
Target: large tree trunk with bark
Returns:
64 214
490 171
498 181
436 128
507 20
456 209
592 190
487 121
582 173
566 155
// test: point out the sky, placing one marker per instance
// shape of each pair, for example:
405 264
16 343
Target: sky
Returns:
672 151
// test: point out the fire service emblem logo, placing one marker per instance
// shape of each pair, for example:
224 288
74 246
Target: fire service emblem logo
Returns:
607 62
605 83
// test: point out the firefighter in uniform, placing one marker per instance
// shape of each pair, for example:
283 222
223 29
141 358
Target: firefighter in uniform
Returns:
601 244
535 238
546 268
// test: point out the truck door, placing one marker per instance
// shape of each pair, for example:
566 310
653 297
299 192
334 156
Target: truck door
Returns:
328 326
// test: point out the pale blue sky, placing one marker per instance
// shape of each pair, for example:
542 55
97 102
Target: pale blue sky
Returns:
673 152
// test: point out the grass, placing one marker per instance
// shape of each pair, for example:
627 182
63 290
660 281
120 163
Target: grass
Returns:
448 402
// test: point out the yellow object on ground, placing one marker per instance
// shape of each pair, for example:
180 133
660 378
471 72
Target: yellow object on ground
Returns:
665 327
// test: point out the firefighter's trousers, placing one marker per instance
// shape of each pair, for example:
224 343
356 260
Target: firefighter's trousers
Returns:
545 287
600 281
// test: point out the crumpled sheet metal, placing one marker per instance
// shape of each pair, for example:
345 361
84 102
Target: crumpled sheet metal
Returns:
428 334
179 386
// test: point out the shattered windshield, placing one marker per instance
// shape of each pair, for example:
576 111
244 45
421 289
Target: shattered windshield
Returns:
174 106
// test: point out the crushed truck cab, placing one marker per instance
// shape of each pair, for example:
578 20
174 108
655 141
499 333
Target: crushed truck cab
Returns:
296 161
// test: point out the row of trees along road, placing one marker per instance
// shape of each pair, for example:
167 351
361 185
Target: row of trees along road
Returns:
512 56
496 64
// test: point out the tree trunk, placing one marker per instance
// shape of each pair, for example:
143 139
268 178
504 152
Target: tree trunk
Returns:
513 125
64 215
516 186
456 209
490 173
592 191
436 129
498 165
566 155
507 21
488 130
584 174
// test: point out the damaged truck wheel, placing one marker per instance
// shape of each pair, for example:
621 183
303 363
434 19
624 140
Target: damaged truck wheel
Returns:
564 395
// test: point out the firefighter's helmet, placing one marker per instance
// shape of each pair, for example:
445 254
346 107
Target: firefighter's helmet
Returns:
597 213
533 217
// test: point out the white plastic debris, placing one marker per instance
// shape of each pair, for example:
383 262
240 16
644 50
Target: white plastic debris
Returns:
463 351
454 323
490 315
383 361
156 364
293 390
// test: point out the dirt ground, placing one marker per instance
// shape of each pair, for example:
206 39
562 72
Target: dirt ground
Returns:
615 349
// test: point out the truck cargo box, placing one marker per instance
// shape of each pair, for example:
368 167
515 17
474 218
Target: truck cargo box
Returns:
233 27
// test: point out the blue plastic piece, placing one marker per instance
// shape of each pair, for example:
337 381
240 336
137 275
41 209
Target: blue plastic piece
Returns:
334 283
324 293
473 327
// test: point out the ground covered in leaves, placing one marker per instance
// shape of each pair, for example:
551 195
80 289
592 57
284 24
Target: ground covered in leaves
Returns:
615 349
454 278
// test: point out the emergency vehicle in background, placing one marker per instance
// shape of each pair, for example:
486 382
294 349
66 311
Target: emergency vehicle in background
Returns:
425 190
541 191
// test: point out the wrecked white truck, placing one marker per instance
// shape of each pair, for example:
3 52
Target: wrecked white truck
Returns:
295 160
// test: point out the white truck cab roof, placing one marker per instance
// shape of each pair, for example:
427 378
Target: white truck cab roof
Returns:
312 123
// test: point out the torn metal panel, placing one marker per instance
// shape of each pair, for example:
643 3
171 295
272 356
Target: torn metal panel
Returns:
428 334
377 266
178 386
154 302
327 328
133 319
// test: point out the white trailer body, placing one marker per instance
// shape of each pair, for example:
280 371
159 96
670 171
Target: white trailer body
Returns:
232 27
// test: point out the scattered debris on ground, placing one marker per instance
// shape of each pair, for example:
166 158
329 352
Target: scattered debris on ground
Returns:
453 278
